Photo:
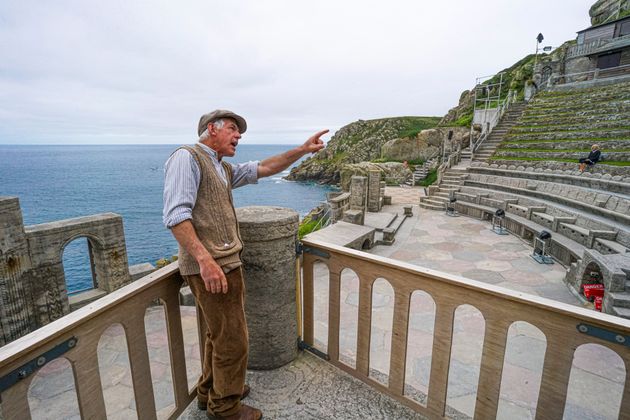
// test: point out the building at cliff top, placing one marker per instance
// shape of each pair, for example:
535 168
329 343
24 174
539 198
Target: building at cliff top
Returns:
600 51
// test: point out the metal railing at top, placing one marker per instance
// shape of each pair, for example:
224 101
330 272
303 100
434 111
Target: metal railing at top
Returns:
565 328
594 46
76 338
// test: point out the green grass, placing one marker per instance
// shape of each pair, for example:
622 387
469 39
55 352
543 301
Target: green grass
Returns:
464 121
413 125
536 159
430 179
307 226
559 127
587 139
622 128
505 149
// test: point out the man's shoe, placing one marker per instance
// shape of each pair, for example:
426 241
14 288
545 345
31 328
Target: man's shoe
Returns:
245 413
204 405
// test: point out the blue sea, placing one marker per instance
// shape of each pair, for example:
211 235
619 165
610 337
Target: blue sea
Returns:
55 182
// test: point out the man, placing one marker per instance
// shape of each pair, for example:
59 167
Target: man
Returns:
198 209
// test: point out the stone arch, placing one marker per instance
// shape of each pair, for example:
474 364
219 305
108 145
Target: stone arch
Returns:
367 244
46 243
592 274
93 242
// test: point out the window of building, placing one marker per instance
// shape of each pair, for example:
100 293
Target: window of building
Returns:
609 60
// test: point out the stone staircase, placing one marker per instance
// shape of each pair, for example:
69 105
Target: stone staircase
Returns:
441 195
509 120
420 173
559 127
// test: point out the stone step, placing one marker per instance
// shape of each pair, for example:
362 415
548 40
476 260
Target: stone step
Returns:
620 299
622 312
613 134
449 189
430 206
560 154
593 126
609 108
598 95
606 246
608 145
571 119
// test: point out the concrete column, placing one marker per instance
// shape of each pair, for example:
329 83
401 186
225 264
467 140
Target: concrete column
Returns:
269 235
358 195
16 310
374 193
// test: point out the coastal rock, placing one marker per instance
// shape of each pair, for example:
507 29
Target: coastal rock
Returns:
425 145
607 10
360 141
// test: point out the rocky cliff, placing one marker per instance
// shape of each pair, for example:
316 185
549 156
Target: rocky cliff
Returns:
359 141
608 10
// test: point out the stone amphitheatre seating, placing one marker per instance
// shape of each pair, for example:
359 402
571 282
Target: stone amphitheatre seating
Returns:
533 177
559 127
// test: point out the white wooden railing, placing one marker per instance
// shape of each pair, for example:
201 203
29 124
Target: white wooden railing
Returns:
79 333
500 308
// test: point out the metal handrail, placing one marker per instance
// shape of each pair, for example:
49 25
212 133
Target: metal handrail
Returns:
589 47
325 216
503 106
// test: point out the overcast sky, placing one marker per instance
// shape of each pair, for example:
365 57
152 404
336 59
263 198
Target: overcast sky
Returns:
87 72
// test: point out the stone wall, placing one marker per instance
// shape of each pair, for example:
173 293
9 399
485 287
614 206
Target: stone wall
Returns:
32 281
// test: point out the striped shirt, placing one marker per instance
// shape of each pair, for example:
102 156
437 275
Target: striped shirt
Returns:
181 182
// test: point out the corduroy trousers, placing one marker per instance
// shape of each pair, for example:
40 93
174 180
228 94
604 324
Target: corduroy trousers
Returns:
226 347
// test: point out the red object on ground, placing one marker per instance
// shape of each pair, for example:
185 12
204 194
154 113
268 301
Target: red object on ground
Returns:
593 290
598 303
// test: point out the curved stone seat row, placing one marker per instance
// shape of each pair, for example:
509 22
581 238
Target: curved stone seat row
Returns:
575 232
609 156
586 133
610 206
619 185
608 145
600 170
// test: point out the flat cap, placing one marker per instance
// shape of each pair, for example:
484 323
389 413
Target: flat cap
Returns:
217 114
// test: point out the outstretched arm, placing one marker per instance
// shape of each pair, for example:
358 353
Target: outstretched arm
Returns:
279 163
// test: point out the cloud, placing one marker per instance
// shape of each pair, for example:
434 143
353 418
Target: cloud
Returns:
143 72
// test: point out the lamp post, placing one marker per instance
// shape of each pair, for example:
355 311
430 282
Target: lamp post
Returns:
539 39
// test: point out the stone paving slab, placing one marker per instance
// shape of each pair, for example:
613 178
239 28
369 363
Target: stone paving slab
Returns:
379 220
341 233
310 388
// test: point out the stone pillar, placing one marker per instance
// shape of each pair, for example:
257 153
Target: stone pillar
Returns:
374 193
269 235
16 311
358 195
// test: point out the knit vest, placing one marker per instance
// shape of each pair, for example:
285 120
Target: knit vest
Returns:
213 217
